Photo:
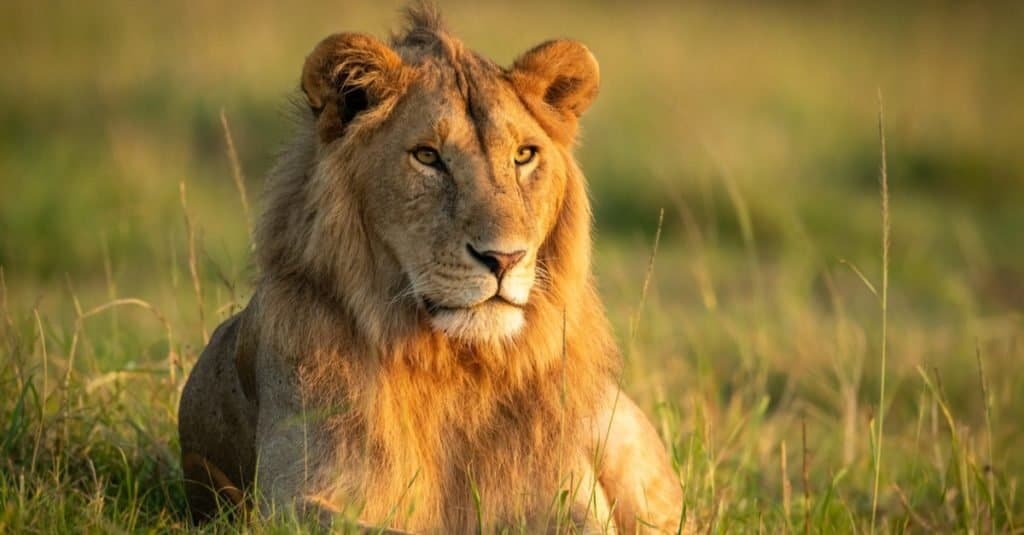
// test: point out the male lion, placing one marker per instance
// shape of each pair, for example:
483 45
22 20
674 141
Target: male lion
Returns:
425 349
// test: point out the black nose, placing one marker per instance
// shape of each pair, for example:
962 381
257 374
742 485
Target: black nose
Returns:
496 261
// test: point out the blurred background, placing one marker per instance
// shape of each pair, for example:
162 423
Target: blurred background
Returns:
753 127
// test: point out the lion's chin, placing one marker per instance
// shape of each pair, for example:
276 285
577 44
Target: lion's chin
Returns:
489 322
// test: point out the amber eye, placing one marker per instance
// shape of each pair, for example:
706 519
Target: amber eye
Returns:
427 156
525 155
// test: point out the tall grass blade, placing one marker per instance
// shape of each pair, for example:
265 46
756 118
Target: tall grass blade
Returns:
884 301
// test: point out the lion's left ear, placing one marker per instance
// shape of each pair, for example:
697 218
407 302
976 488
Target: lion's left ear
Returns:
558 76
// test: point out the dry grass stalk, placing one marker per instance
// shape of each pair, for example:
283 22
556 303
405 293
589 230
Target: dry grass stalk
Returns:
236 171
193 265
46 386
987 468
805 475
634 323
787 488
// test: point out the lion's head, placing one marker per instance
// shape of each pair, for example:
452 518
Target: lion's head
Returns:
435 188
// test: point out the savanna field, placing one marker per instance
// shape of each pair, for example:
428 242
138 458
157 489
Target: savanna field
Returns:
807 373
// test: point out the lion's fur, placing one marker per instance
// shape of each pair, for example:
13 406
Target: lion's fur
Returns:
402 423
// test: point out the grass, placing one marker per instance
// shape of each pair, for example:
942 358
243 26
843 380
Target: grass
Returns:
741 141
884 305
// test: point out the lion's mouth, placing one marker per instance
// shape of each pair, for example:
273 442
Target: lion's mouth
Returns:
433 308
494 318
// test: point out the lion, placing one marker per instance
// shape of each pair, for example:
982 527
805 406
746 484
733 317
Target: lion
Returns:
425 349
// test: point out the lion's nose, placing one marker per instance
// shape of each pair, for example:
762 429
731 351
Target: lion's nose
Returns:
496 261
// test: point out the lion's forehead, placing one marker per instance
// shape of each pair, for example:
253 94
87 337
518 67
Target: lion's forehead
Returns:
474 94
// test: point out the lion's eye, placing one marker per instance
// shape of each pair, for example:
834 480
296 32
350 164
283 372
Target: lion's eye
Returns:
427 156
525 155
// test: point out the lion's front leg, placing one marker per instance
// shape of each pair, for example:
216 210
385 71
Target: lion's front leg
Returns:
294 457
298 469
294 477
591 510
289 466
634 468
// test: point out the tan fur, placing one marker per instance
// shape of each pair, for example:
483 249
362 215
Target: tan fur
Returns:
383 371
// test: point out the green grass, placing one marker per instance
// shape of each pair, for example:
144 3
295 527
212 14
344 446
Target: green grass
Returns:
753 342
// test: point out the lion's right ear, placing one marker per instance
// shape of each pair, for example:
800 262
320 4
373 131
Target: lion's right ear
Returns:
346 75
